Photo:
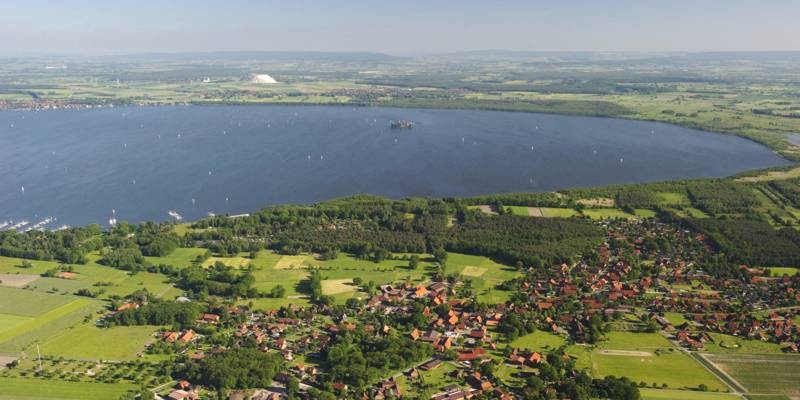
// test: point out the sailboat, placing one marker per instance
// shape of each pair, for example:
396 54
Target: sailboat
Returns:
113 220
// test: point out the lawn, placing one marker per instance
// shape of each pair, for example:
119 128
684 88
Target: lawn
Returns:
86 341
538 341
41 389
762 373
432 382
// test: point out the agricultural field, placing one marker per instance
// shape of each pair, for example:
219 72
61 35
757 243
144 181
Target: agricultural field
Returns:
47 389
762 374
86 341
668 394
38 317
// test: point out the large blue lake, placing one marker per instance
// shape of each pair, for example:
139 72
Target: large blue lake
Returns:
78 166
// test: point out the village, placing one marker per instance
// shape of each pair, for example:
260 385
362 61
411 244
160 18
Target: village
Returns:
643 276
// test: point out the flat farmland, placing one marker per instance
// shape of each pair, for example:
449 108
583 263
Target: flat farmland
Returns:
29 303
41 389
762 374
34 316
86 341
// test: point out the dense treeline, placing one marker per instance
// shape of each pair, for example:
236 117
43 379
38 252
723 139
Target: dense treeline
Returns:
359 358
157 312
511 238
722 197
217 280
237 368
751 242
69 245
368 226
789 189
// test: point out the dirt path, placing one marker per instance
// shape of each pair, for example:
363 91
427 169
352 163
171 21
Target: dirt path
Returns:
487 209
17 280
535 212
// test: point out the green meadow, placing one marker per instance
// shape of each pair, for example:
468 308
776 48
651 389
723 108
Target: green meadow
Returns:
539 341
634 355
86 341
47 389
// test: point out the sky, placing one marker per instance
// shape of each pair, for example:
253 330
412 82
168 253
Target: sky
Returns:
39 27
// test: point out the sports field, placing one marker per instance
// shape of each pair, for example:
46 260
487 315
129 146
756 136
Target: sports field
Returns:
623 354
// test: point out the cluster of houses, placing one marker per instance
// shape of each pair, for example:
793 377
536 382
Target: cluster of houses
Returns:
561 299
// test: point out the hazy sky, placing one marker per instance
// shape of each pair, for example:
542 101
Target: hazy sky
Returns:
399 27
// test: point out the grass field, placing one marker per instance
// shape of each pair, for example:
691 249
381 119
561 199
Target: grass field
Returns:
780 271
29 303
733 345
86 341
671 367
558 212
180 257
289 271
538 341
40 389
8 321
775 374
603 213
34 316
97 277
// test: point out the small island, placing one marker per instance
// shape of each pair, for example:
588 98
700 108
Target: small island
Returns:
402 124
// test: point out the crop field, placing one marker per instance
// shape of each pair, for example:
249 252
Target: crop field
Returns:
41 389
775 374
668 394
33 316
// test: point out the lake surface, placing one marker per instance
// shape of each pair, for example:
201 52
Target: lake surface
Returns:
78 165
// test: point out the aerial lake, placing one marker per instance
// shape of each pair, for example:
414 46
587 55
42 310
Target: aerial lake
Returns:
79 165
